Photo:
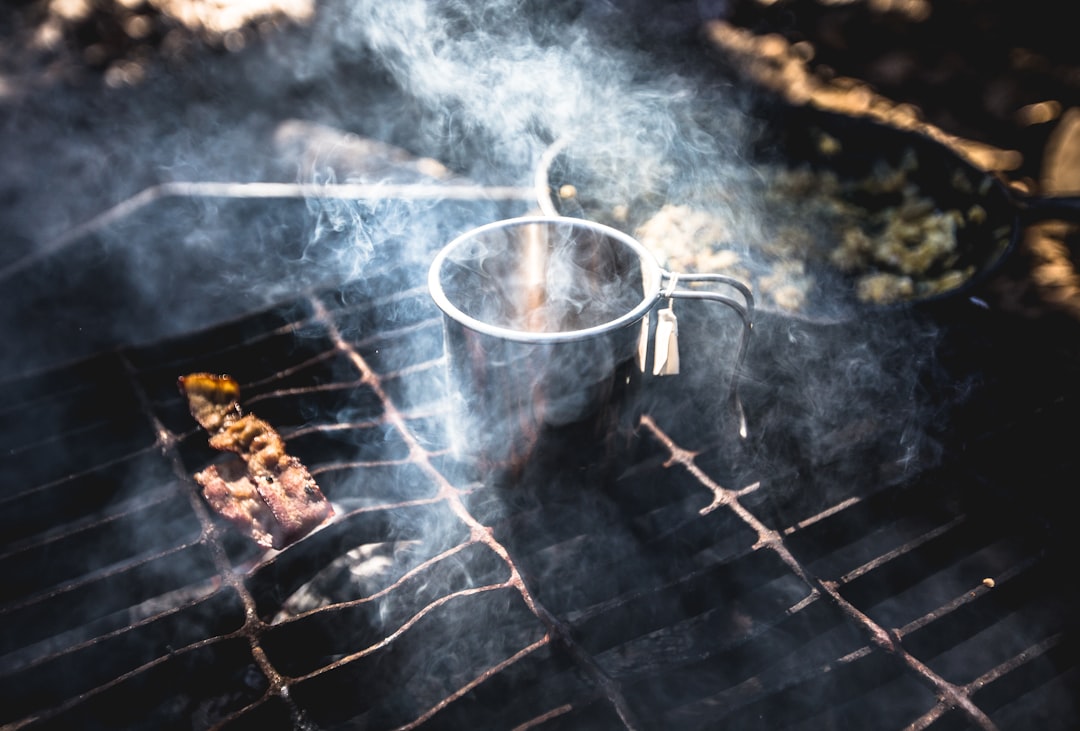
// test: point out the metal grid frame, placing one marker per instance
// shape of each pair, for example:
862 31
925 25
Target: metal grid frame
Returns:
670 599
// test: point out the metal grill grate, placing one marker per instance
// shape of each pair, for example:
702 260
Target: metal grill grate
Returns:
688 593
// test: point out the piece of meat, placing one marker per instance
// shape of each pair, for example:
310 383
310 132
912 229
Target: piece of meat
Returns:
264 490
231 493
213 400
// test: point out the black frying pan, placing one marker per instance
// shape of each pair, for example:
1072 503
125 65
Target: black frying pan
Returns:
852 148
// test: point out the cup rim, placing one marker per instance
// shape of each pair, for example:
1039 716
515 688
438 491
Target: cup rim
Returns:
651 275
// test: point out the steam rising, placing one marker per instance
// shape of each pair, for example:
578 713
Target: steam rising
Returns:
521 80
485 88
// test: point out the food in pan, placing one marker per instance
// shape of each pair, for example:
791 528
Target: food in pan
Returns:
262 490
895 252
881 231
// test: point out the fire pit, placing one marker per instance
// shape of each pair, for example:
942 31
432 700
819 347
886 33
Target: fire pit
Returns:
866 577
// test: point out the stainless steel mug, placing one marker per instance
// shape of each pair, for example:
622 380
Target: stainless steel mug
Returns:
550 324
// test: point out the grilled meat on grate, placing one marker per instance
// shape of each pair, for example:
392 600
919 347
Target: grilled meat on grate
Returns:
264 490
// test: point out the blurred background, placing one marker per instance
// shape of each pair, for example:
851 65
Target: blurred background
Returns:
101 98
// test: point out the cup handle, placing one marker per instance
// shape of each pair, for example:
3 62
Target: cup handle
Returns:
745 310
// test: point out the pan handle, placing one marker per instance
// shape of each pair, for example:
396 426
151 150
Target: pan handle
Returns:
1034 209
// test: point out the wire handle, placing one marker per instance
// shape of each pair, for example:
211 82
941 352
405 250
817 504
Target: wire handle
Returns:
744 309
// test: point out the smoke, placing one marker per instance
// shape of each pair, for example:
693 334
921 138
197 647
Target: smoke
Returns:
500 82
518 76
484 88
491 86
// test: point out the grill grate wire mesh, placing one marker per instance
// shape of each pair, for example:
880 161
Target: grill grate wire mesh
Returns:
683 595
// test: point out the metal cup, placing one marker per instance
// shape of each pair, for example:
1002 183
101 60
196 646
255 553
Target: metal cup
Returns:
550 324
